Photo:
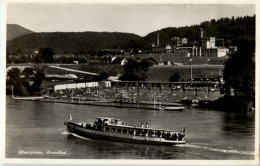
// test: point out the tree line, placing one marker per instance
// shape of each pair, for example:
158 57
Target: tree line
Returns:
239 78
44 55
232 30
24 83
69 42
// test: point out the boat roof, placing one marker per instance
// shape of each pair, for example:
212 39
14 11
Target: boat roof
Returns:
134 127
107 118
142 128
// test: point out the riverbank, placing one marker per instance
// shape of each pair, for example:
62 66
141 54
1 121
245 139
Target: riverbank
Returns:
227 104
131 97
234 104
152 106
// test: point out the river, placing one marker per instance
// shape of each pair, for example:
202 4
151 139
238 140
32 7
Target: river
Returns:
36 130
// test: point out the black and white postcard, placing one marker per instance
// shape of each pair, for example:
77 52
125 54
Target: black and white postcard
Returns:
127 82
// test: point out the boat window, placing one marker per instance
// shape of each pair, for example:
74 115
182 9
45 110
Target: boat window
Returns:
107 129
131 131
119 130
113 130
124 131
144 132
139 132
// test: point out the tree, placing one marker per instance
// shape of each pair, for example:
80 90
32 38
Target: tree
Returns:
47 54
37 59
28 72
39 77
174 77
145 64
101 76
14 73
21 84
239 74
14 79
135 71
131 66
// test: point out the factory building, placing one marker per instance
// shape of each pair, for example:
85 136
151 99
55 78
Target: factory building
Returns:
207 47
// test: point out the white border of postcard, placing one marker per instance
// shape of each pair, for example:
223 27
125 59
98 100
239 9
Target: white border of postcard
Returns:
115 161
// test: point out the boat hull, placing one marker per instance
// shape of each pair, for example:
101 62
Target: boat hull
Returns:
119 137
174 108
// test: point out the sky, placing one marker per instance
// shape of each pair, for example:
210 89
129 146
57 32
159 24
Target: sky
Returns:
140 19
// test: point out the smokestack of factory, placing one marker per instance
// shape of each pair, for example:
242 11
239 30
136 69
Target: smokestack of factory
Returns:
201 33
158 38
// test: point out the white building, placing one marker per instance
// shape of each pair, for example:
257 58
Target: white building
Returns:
123 62
222 51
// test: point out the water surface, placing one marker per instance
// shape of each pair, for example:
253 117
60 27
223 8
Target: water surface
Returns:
36 130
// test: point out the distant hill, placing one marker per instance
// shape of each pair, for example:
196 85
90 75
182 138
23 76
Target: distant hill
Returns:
233 30
14 30
70 42
230 29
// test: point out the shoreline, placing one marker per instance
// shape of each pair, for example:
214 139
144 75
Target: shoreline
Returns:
118 104
212 104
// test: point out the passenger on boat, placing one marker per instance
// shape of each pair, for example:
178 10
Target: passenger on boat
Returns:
70 117
155 133
150 133
174 136
144 133
163 134
158 133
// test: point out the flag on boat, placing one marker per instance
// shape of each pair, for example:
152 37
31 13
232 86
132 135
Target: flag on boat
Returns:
70 117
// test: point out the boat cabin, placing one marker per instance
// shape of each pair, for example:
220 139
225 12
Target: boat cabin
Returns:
108 121
118 126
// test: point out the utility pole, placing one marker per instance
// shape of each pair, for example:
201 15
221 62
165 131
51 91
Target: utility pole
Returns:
12 91
153 99
72 95
191 73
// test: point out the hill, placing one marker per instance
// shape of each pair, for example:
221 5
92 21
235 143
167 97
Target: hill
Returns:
14 30
232 30
70 42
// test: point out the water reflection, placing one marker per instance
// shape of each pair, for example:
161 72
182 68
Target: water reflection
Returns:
239 123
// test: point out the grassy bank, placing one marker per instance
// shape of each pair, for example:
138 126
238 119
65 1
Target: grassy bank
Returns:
163 73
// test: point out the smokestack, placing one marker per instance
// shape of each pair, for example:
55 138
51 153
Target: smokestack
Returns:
158 38
201 33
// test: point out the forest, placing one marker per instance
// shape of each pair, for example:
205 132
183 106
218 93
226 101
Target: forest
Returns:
232 30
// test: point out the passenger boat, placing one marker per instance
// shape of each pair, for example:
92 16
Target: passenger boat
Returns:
116 130
174 108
